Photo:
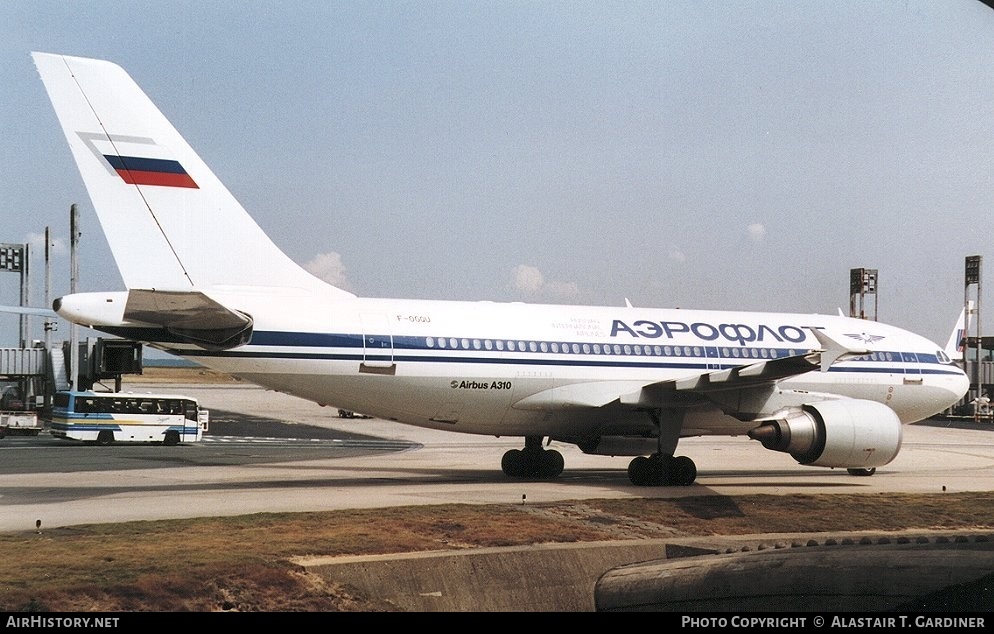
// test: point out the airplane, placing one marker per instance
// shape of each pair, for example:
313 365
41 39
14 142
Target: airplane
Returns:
204 282
956 344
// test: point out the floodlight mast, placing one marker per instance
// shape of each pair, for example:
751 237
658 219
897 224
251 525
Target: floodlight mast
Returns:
972 278
74 235
14 259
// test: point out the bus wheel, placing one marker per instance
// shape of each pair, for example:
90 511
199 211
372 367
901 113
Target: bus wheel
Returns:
105 437
171 438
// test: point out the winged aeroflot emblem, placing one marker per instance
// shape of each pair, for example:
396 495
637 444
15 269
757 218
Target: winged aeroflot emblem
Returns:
865 338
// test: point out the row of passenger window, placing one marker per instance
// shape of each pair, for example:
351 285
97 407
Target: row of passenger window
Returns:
877 356
501 345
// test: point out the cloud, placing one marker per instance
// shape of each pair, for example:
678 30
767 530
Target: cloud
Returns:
528 280
677 255
329 267
756 231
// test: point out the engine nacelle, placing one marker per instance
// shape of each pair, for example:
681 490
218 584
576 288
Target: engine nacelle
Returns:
850 433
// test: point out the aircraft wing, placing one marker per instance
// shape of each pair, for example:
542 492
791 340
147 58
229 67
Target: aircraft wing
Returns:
27 310
579 395
671 391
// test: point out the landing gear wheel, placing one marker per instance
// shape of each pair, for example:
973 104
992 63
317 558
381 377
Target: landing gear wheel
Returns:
683 471
512 464
640 471
532 463
862 472
662 470
105 437
643 471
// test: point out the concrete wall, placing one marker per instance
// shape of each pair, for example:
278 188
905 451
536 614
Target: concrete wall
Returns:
790 573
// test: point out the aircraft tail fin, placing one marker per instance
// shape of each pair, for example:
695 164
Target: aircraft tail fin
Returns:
169 221
956 345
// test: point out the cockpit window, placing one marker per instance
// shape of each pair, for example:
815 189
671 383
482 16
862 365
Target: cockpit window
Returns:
942 357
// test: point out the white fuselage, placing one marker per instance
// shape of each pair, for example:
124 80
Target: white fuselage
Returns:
523 369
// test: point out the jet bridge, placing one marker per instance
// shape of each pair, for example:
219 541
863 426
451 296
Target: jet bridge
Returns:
30 376
22 375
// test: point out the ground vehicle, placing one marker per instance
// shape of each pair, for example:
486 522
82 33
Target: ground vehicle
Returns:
107 417
347 413
19 423
15 417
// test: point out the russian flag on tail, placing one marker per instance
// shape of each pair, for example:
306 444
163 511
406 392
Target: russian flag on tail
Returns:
136 170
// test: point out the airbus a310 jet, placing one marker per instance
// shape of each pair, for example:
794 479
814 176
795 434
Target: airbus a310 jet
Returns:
205 283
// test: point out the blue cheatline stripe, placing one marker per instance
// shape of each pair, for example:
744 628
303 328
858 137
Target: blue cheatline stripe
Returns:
405 348
701 365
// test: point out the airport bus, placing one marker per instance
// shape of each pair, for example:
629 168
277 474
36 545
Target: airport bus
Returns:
107 417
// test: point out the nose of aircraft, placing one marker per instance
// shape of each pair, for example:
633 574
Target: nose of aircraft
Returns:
960 386
941 391
954 387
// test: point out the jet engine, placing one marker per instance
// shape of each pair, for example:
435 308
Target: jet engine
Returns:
851 433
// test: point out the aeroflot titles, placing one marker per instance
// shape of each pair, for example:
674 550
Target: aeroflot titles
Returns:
740 333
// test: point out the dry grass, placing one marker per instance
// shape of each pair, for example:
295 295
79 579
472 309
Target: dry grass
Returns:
245 563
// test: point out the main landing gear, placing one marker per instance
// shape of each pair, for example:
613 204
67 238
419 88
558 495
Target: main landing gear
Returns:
663 468
532 461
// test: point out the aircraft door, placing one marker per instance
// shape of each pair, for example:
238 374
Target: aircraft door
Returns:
714 358
912 358
377 345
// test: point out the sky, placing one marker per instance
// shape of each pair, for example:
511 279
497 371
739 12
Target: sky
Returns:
694 154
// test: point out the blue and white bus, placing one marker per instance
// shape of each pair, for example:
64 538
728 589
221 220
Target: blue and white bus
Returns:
108 417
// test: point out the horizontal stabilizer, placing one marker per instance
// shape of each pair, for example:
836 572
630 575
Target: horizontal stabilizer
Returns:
191 315
28 310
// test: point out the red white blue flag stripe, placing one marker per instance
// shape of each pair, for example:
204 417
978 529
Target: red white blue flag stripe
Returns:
136 170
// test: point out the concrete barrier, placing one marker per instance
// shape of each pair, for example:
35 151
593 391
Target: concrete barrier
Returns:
743 573
542 578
